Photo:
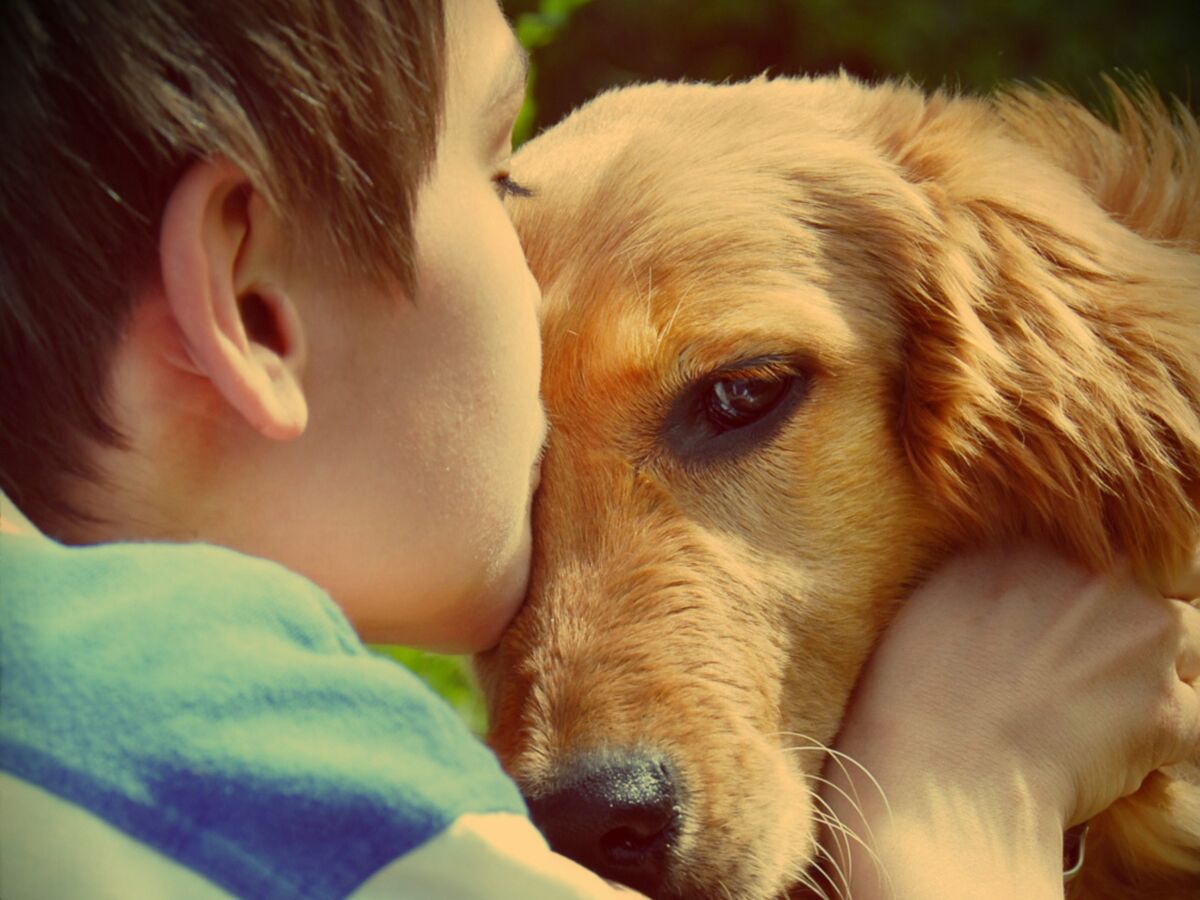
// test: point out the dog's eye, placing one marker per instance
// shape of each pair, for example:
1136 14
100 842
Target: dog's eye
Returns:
734 409
737 402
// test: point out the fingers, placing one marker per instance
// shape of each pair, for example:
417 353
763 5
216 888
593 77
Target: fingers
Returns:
1184 582
1187 663
1180 722
1183 740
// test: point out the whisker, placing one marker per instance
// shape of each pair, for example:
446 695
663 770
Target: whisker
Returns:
838 830
817 869
809 882
662 336
842 873
862 840
851 835
853 801
840 759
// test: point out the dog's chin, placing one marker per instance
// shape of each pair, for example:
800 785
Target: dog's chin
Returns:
748 866
783 863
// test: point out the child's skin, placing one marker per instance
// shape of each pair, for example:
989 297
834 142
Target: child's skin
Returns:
385 446
1043 694
387 450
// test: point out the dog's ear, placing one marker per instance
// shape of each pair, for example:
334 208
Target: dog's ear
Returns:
1051 383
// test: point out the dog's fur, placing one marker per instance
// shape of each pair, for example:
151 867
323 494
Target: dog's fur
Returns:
994 305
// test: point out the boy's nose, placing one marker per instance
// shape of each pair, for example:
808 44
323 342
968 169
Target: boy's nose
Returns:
615 812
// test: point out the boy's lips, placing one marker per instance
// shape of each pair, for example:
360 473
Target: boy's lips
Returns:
535 472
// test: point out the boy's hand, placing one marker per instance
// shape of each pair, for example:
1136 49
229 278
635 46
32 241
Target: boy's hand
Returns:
1014 695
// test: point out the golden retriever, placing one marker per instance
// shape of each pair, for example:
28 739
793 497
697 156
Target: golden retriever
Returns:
804 338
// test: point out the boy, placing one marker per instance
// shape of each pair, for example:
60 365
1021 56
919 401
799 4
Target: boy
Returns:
245 385
269 320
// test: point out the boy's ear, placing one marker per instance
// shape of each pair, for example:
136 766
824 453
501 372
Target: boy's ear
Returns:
223 265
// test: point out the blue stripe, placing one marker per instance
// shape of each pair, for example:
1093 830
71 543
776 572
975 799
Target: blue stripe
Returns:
221 710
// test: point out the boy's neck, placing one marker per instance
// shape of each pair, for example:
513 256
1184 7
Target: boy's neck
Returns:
12 520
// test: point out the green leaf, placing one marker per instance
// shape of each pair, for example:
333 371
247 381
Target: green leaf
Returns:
449 676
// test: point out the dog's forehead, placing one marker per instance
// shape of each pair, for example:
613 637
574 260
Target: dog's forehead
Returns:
694 172
658 321
713 181
663 255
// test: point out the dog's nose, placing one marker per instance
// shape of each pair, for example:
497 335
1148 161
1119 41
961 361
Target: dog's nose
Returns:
614 812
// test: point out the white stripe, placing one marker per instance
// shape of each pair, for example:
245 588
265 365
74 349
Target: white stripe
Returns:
499 856
50 848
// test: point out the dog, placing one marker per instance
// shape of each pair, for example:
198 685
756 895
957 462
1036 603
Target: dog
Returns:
803 339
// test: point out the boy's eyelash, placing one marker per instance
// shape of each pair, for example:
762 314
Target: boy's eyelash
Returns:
506 188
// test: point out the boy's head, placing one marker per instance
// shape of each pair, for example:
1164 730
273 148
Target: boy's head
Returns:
258 287
107 102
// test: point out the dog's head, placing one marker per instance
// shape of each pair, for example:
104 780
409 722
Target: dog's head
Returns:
801 338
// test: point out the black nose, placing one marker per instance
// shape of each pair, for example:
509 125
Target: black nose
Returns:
615 812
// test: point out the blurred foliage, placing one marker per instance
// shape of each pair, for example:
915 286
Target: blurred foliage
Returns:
972 44
537 28
450 676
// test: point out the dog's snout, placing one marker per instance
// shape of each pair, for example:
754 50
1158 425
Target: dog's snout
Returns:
615 813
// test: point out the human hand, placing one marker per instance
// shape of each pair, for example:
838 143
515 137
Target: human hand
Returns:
1016 694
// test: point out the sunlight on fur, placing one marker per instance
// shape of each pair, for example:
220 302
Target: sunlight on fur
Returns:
967 319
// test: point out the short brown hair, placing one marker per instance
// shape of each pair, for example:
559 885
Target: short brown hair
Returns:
331 107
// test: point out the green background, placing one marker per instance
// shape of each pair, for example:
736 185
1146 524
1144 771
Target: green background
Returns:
581 48
450 676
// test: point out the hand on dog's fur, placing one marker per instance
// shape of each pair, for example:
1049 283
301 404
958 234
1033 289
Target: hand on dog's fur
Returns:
1069 689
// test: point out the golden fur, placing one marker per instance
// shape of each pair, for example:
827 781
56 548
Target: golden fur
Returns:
995 304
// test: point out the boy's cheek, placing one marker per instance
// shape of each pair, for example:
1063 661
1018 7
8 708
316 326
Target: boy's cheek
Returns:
475 620
510 596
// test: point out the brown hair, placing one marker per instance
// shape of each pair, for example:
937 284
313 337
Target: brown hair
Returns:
330 107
